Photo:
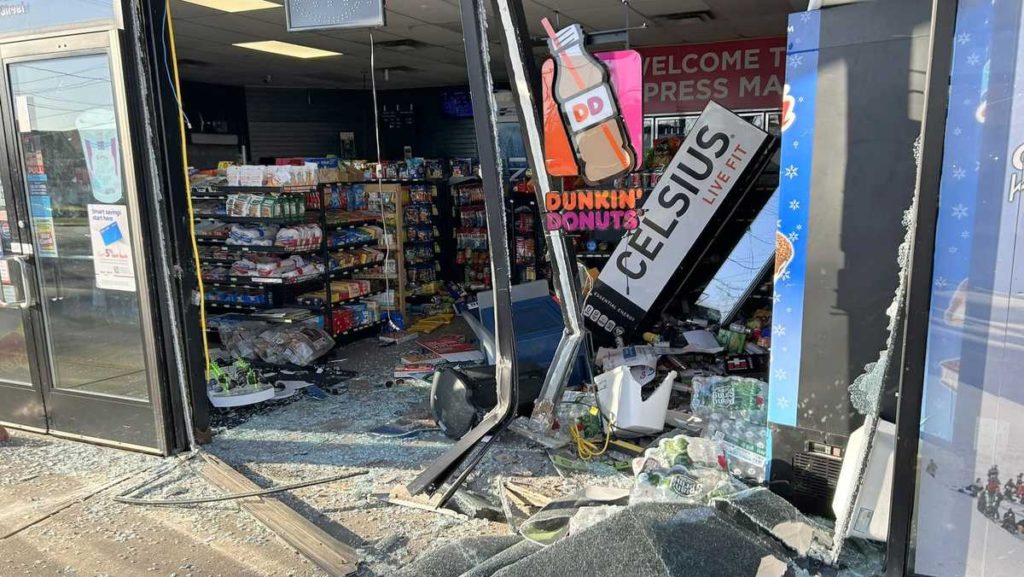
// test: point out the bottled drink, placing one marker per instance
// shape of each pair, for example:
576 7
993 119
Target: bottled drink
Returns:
588 103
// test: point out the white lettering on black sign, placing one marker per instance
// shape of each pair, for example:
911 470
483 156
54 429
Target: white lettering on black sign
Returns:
704 171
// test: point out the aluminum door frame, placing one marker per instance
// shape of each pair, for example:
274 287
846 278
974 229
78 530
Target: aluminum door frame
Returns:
106 41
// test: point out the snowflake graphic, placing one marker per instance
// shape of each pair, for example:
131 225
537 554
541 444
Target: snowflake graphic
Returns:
799 227
779 330
977 165
959 211
778 224
793 236
785 276
940 282
789 309
963 38
805 17
776 297
791 172
794 204
973 59
957 131
953 250
782 402
796 144
965 235
800 99
959 173
795 60
780 374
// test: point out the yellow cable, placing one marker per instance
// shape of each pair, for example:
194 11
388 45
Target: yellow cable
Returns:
188 195
586 449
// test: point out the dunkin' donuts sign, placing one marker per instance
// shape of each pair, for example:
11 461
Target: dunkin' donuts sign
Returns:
714 158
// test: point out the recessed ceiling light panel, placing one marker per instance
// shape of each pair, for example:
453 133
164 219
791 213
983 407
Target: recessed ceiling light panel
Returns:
235 5
287 49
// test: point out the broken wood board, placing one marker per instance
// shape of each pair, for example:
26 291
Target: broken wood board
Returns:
529 496
331 555
400 496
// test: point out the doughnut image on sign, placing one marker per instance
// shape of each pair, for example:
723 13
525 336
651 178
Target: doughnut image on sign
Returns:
783 254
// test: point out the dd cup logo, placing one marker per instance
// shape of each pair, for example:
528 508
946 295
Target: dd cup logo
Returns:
588 108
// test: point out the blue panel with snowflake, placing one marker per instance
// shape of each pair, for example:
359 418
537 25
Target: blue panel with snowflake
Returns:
798 106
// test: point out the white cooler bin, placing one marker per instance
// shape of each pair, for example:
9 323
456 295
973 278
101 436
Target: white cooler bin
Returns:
619 394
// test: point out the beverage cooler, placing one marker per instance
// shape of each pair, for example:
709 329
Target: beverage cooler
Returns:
970 485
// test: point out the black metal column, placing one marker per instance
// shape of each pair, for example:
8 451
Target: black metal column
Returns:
919 290
164 174
474 29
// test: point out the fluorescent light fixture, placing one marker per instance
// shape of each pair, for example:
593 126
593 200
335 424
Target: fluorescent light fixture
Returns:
235 5
287 49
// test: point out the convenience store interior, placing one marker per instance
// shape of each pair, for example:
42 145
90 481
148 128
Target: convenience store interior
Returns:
248 106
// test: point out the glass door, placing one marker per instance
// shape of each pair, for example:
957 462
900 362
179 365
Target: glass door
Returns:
21 399
73 181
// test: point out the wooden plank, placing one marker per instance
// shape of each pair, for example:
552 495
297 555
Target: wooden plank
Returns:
331 555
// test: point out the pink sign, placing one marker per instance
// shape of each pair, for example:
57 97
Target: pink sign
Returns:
625 70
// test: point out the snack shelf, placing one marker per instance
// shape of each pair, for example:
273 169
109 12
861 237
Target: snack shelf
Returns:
397 181
344 272
351 245
251 281
257 219
352 224
337 304
359 329
296 189
257 248
236 306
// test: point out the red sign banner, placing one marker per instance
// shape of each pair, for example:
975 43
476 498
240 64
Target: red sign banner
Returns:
740 75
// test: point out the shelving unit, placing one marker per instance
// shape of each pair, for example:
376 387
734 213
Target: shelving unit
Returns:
259 293
470 233
388 199
526 235
421 241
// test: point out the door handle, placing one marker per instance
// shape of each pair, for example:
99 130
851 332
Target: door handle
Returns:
24 271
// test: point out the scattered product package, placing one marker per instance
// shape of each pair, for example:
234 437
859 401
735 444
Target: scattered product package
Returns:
736 417
291 344
682 469
239 339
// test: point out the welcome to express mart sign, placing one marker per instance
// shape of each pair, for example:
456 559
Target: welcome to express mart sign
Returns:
740 75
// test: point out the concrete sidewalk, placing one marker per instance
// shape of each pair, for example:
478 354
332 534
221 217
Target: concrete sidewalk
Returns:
99 537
